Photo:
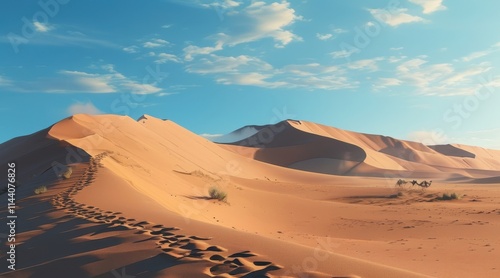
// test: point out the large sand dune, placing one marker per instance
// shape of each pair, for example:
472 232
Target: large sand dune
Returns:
137 203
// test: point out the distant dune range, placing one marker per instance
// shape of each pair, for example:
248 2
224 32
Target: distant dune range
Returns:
301 198
317 148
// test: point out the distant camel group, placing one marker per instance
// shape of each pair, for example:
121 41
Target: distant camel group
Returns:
423 184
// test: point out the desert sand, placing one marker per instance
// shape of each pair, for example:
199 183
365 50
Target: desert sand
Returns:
304 200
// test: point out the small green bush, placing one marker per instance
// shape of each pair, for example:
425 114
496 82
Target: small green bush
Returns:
217 193
67 173
40 189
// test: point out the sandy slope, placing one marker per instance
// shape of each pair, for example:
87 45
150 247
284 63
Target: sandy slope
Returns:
144 189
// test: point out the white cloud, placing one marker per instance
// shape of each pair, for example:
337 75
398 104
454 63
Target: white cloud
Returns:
83 108
222 64
155 43
441 79
260 20
383 83
339 31
84 82
252 71
166 57
166 26
130 49
394 17
76 39
343 53
396 48
464 76
224 4
475 55
478 54
395 59
323 37
41 27
251 79
4 81
430 6
257 21
191 51
366 64
428 137
104 80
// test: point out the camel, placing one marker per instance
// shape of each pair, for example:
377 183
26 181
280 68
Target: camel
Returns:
401 182
426 184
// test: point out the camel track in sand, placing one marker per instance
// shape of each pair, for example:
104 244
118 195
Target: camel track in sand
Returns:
168 239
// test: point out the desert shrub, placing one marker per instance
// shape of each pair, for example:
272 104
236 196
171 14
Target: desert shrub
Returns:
452 196
67 173
217 193
40 189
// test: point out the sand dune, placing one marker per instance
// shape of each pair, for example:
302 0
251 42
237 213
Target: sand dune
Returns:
318 148
137 203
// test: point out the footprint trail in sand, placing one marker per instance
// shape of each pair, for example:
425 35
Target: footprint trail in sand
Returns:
168 239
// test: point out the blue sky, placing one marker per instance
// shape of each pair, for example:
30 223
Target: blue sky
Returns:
426 70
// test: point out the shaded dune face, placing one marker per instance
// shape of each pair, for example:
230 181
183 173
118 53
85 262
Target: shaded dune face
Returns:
39 158
280 148
286 146
451 150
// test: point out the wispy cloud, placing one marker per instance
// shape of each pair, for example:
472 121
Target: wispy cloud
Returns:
163 58
430 6
479 54
384 82
323 37
428 137
131 49
47 35
366 64
191 51
394 17
254 22
440 79
252 71
42 27
261 21
224 4
4 81
83 108
343 53
105 80
155 43
327 36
